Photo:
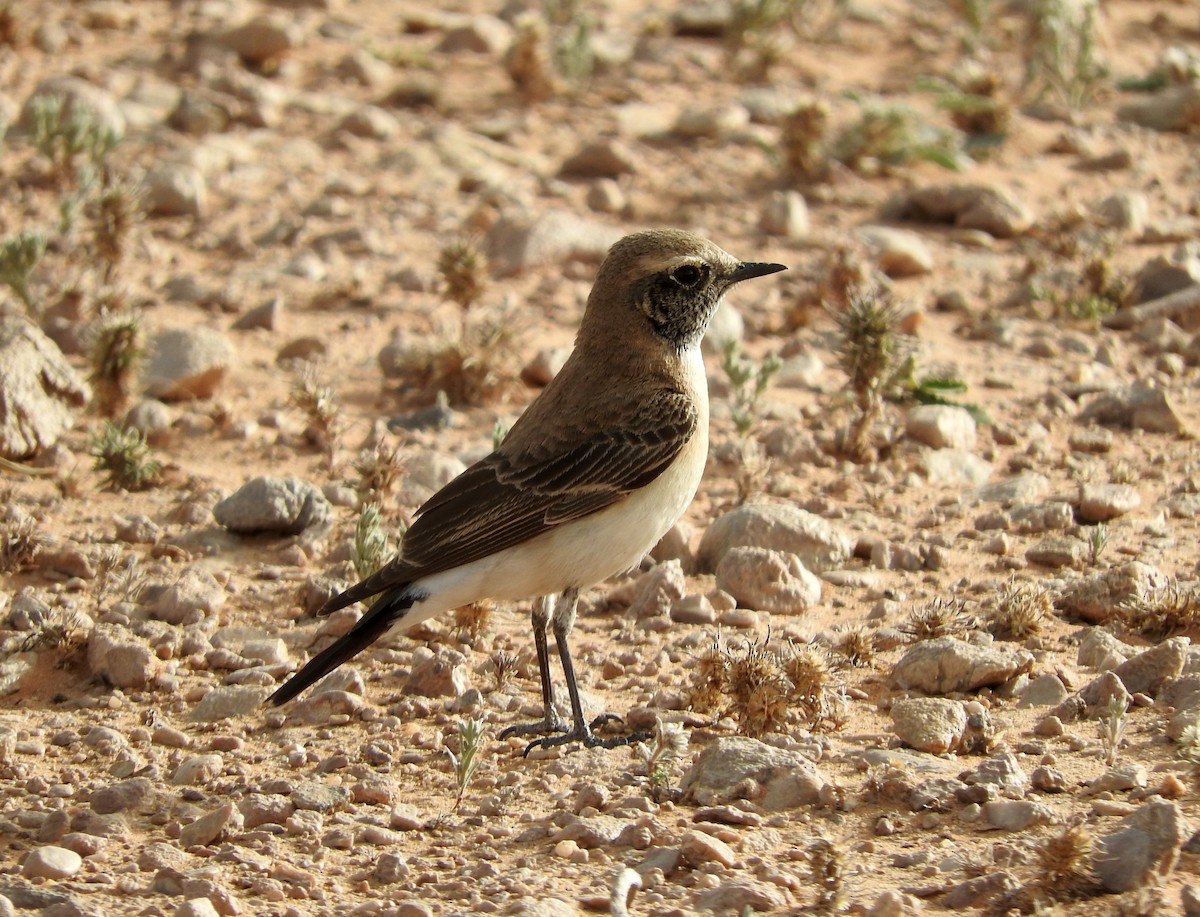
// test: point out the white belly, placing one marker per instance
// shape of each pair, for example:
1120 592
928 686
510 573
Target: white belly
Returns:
586 551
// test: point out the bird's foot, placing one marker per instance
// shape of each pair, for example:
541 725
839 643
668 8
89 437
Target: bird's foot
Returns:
584 734
550 724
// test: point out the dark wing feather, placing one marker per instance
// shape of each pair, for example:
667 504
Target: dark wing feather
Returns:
512 496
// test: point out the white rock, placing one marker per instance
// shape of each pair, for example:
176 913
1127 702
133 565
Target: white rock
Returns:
187 363
40 391
174 189
51 863
767 580
942 426
899 252
930 724
197 769
786 214
1144 847
781 527
197 907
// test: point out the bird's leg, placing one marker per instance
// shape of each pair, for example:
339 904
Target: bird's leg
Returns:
551 722
562 622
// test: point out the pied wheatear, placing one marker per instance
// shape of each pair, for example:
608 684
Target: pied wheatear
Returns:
589 478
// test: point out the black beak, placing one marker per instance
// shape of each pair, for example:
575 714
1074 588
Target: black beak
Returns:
751 269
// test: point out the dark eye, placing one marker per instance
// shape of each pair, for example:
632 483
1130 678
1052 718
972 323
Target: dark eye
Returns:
687 276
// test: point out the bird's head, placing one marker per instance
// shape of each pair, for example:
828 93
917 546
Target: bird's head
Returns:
669 278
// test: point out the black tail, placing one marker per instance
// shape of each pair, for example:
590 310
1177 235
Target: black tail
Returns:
379 619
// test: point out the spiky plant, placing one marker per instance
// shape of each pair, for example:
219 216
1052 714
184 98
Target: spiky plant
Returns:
751 471
466 762
749 383
63 629
857 645
20 544
887 136
471 367
503 667
318 402
70 137
118 348
370 541
124 459
804 140
807 668
709 685
1112 727
530 61
463 267
938 617
1061 56
1022 610
1064 860
19 255
669 744
759 690
1169 609
115 213
472 621
379 472
869 352
753 36
1097 540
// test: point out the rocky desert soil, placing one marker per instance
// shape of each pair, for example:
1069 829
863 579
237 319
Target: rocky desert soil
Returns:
943 666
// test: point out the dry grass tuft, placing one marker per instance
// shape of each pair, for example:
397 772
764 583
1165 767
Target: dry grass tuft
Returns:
759 691
318 402
1171 609
19 545
379 471
1021 611
471 622
857 645
940 617
463 267
764 690
503 667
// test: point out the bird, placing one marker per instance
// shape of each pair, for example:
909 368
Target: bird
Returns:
589 478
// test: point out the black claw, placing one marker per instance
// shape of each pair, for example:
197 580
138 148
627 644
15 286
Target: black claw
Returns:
542 727
584 735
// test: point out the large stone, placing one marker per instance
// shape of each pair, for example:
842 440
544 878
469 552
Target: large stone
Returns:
51 863
932 724
515 245
278 506
120 658
899 252
941 426
779 527
1143 849
1141 406
193 597
40 392
1148 671
734 767
766 580
1102 596
992 210
187 363
947 664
